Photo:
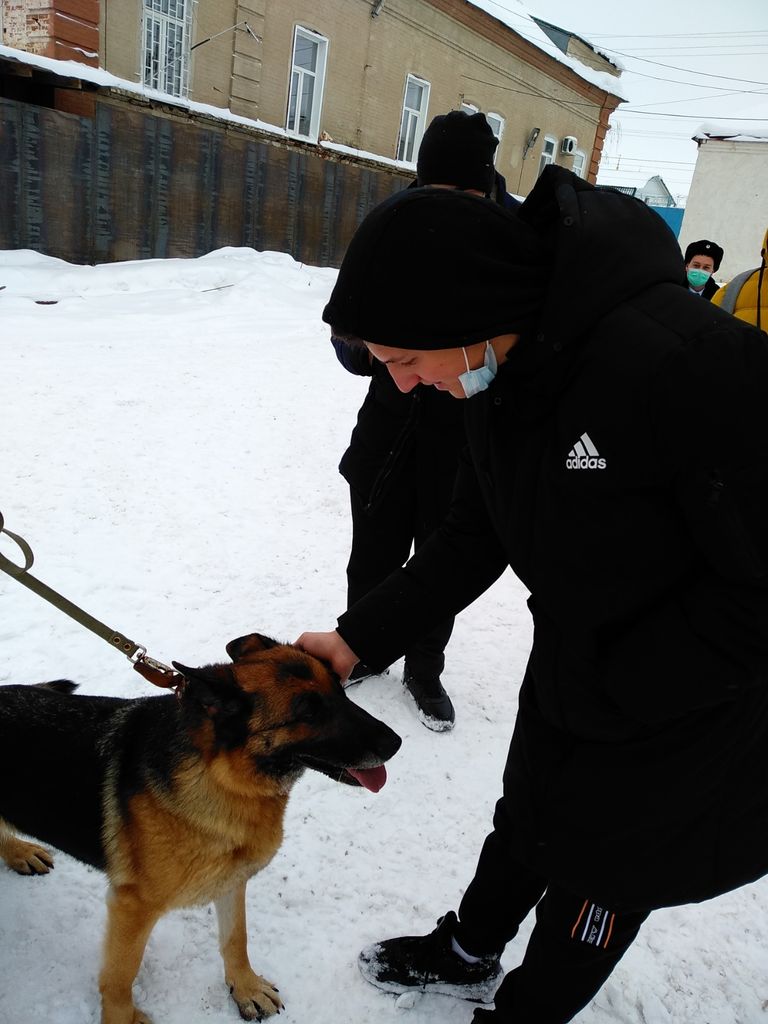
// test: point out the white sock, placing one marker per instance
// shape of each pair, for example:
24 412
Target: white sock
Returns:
464 955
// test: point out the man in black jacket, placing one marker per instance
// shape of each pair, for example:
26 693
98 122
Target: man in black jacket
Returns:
618 462
404 450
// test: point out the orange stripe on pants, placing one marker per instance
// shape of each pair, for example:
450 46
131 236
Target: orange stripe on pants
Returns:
578 919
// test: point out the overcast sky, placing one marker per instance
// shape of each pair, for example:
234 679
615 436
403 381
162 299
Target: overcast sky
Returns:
674 54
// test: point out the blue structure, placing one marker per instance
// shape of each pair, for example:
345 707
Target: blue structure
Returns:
673 215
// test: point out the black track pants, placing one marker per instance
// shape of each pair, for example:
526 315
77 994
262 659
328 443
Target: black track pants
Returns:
574 945
381 543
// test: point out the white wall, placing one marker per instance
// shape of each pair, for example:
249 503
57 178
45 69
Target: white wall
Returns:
728 202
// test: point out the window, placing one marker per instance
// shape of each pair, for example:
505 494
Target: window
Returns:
470 108
413 119
496 121
579 163
305 98
547 152
166 45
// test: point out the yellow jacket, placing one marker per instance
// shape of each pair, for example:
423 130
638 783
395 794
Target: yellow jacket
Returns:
749 306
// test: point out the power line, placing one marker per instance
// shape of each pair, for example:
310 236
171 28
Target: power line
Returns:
539 95
645 160
697 99
709 46
704 56
679 35
645 60
672 67
629 110
538 42
696 85
693 117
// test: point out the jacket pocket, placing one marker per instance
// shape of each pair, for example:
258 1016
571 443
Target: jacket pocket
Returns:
730 541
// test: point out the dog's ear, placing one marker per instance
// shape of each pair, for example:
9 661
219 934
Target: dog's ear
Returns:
251 644
213 687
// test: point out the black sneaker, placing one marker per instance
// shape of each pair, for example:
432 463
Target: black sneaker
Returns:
427 963
361 672
433 703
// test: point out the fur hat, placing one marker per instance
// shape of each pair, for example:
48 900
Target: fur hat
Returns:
432 269
457 149
705 248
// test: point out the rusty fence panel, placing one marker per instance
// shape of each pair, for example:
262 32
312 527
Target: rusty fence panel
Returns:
131 184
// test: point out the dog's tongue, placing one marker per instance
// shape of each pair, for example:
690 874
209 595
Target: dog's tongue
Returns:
371 778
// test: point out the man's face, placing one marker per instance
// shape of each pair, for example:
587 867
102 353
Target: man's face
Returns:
440 367
701 263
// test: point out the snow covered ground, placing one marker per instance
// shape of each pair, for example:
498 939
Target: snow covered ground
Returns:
170 435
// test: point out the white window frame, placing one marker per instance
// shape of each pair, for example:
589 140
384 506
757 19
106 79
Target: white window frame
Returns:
166 36
470 108
579 163
548 152
413 121
496 122
303 79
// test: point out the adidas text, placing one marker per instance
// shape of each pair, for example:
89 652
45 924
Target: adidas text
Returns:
584 462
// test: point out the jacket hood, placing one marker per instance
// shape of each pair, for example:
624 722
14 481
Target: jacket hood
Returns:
431 269
608 247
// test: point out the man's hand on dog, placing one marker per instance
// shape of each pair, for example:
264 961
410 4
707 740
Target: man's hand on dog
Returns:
330 648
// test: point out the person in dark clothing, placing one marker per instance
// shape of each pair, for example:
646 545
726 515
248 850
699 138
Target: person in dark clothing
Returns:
404 449
400 466
457 151
702 260
618 461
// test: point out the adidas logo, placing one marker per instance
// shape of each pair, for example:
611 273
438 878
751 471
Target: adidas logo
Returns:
584 455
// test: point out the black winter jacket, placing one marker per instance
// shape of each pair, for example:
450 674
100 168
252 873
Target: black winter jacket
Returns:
619 464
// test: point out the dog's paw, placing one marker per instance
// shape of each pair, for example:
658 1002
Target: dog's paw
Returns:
26 858
123 1014
256 997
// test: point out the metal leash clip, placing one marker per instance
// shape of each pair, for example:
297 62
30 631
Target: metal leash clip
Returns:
158 673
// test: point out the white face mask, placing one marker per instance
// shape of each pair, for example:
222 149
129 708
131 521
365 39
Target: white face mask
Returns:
475 381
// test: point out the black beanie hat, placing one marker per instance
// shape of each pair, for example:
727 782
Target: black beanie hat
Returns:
457 149
705 248
431 269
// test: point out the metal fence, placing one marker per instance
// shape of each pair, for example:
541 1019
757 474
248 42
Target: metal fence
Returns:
134 184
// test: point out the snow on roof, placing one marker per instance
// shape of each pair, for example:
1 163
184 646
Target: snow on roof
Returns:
515 16
519 21
100 77
722 130
610 58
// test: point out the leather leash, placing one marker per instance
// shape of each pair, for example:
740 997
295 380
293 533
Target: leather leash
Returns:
153 671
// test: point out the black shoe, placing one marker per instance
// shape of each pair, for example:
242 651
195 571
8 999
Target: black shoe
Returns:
434 704
361 672
428 963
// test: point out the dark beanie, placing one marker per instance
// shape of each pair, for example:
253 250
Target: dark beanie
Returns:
705 248
457 149
431 269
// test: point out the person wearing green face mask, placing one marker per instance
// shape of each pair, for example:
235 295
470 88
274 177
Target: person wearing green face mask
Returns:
702 259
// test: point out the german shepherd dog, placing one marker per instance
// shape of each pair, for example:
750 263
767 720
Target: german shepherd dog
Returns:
179 800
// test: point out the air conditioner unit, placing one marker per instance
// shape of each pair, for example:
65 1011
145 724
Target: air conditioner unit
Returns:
568 145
